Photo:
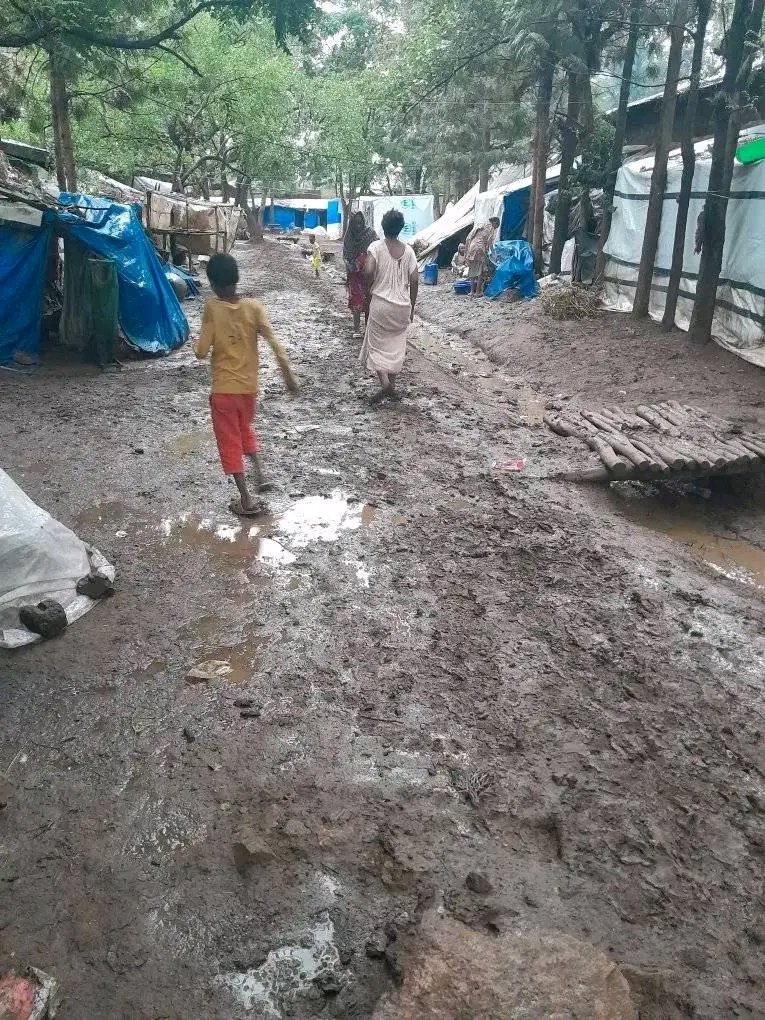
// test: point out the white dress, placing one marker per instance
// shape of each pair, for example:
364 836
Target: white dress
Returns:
384 346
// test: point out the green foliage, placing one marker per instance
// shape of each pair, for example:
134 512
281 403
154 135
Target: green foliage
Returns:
595 156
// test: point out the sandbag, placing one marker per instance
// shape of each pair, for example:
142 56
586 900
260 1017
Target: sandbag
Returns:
40 559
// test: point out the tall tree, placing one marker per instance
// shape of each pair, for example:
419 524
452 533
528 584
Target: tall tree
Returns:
609 186
741 45
703 8
661 152
71 32
541 153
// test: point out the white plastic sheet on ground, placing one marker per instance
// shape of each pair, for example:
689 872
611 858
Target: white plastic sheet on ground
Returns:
39 559
739 320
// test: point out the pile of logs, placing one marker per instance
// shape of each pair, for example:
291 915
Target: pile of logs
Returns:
658 439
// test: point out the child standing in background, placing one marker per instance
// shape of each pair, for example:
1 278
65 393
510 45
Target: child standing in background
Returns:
230 329
316 256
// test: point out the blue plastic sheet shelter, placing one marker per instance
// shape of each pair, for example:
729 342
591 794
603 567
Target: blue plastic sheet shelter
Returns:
23 257
150 315
515 268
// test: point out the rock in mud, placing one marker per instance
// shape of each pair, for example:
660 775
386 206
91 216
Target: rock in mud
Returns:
6 791
47 618
329 984
477 882
376 945
96 586
455 972
250 849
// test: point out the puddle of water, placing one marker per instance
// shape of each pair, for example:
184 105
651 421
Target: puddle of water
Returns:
321 518
286 972
734 558
228 537
191 442
235 665
110 510
531 406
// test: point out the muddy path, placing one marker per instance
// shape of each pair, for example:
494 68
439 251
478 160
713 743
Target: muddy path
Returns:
445 670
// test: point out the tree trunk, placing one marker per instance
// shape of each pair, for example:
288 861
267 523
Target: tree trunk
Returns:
689 164
541 151
659 175
620 130
225 190
66 173
569 142
485 164
746 18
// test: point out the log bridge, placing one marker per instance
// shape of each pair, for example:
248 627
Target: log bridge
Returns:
659 441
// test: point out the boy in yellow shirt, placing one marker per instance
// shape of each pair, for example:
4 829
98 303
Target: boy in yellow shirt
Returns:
230 329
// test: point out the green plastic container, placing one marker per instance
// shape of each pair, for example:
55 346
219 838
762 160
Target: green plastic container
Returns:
751 152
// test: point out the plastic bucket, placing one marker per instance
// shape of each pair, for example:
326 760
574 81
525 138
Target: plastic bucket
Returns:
462 287
430 274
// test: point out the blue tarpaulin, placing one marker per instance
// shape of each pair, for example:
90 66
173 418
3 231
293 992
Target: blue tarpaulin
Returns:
23 255
150 314
515 268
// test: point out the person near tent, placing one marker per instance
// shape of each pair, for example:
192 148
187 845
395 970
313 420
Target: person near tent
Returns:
392 281
459 261
356 242
231 327
479 243
316 255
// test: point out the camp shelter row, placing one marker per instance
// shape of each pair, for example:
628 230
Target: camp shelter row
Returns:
91 234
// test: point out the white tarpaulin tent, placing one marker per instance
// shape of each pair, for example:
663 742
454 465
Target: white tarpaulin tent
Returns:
739 320
416 209
39 559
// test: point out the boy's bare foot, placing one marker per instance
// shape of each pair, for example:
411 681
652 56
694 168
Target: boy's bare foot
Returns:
257 508
377 398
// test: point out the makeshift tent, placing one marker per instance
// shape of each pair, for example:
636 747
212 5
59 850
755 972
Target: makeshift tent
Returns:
150 315
508 198
417 211
23 255
305 214
739 318
39 559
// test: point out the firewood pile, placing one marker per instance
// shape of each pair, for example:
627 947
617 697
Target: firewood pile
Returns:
662 440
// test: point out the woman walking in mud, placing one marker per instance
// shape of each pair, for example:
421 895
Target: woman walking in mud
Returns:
392 283
357 240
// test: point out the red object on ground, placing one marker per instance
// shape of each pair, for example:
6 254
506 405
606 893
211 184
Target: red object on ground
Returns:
516 464
17 997
232 417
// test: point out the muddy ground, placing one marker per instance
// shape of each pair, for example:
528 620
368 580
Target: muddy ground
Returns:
451 670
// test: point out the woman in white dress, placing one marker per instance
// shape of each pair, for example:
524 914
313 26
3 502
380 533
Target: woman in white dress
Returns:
392 280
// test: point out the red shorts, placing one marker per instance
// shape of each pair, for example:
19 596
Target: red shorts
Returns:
232 416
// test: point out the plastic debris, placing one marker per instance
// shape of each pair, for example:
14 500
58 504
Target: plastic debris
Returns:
514 464
30 996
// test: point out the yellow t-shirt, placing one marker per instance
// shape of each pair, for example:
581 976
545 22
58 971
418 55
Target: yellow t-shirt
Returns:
230 329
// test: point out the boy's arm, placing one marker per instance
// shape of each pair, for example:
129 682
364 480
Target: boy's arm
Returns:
264 329
205 341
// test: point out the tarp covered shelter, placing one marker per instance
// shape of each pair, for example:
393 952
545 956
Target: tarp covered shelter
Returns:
150 316
739 319
417 211
305 214
507 198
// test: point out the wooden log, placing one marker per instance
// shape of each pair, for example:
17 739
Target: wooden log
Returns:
672 416
753 445
598 421
631 420
678 409
615 423
671 458
653 417
618 467
623 446
705 459
738 449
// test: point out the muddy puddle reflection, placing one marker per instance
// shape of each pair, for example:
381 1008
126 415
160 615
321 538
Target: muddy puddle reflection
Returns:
691 524
271 539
